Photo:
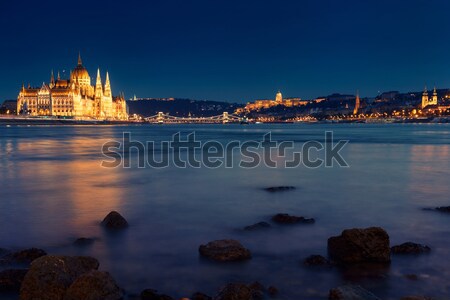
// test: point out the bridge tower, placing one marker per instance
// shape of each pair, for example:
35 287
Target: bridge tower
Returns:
225 117
160 117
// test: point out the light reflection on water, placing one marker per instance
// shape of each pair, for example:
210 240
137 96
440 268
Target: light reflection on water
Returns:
53 190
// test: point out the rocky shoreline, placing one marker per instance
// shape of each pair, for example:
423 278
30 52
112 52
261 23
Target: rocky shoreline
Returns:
44 276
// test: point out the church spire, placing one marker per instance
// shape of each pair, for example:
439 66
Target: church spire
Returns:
59 77
79 59
52 78
107 85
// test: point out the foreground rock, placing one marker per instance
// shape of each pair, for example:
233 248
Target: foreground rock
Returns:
50 276
351 292
279 189
94 285
257 226
288 219
416 298
10 280
114 220
317 260
238 291
410 248
150 294
225 250
360 246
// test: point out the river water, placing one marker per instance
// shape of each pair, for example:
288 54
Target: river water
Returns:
53 190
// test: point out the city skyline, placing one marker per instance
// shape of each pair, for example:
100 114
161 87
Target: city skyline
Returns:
235 52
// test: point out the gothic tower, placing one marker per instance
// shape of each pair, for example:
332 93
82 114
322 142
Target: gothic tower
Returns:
357 104
425 98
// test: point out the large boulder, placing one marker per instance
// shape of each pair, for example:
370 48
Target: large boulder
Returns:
50 276
10 280
94 285
114 220
360 246
289 219
225 250
238 291
410 248
351 292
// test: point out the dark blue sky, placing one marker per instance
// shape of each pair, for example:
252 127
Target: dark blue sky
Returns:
230 50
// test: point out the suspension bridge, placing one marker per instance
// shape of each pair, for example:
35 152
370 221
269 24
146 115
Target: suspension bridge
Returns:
162 118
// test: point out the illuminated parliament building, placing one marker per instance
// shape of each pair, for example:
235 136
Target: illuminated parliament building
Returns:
73 98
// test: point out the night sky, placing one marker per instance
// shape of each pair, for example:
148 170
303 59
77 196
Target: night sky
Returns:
230 50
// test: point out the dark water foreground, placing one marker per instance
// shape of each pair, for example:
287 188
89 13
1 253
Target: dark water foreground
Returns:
53 190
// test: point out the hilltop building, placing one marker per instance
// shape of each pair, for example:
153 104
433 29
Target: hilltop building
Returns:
73 98
268 103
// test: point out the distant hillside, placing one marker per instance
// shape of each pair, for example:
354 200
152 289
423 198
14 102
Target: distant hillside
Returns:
180 107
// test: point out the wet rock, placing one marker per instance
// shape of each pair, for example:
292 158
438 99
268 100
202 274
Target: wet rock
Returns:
225 250
351 292
360 246
114 220
416 298
317 260
150 294
257 226
238 291
83 241
50 276
94 285
280 188
23 257
201 296
410 248
273 291
10 280
288 219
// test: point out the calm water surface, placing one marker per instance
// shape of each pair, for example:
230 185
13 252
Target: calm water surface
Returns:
53 190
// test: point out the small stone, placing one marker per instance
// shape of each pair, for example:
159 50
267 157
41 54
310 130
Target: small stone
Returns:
288 219
370 245
410 248
316 260
412 277
238 291
225 250
280 188
445 209
151 294
272 290
114 220
351 292
94 285
257 226
84 241
201 296
10 280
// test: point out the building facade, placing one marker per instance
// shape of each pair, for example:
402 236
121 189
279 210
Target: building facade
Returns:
73 98
427 100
